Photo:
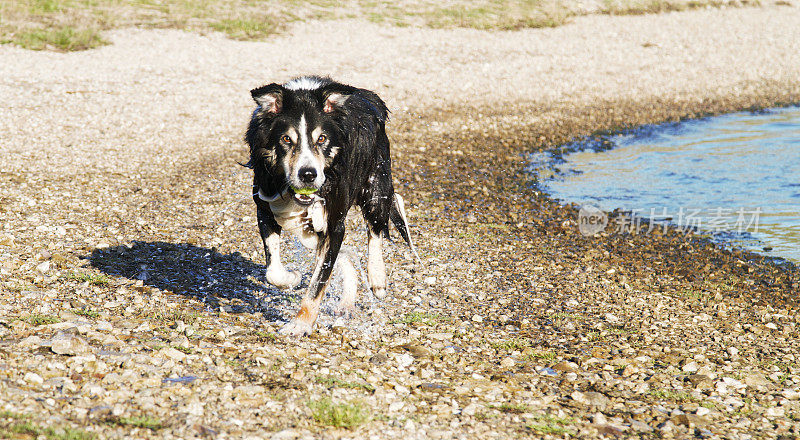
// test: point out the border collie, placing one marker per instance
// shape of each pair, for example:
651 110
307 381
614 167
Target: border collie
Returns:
318 147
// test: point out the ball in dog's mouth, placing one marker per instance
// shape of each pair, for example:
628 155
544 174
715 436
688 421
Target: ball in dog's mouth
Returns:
304 196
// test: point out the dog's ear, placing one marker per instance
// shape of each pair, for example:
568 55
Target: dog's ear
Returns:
334 100
269 97
353 101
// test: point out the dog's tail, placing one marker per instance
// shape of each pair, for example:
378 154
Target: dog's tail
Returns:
398 216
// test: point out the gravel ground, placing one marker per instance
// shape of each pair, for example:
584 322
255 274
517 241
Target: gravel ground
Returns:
133 302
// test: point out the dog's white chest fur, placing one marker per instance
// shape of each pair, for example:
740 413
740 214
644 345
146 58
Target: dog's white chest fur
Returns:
294 218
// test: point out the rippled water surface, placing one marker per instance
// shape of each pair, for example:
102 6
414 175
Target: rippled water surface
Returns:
736 175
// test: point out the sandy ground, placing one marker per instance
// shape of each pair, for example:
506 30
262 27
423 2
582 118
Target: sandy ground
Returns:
155 94
122 161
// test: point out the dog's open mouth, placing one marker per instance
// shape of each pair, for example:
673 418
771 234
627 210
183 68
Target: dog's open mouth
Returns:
304 196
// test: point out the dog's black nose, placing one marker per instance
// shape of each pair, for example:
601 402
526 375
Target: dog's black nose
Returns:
307 175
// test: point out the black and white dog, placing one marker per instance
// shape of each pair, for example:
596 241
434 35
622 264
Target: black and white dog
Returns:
318 147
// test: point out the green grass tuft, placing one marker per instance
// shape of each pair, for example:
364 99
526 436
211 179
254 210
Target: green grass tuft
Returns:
419 318
687 293
38 319
29 429
339 383
245 29
544 428
187 350
508 15
44 6
266 336
95 280
513 344
12 415
550 424
563 316
594 336
549 418
708 404
145 422
64 39
677 396
188 316
544 355
340 415
89 313
512 408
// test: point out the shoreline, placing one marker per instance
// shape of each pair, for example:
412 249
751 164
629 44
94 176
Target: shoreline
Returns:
601 142
505 186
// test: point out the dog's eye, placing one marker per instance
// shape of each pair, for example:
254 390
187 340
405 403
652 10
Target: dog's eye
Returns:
286 139
321 139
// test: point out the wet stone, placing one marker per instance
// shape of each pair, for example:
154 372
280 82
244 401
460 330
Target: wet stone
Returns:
689 420
67 344
591 398
379 359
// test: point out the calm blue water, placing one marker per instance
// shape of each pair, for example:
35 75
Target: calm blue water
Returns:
736 176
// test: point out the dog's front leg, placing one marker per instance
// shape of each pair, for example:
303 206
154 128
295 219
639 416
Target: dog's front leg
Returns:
347 303
277 275
327 251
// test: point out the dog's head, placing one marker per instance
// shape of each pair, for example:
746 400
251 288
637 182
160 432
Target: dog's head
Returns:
295 133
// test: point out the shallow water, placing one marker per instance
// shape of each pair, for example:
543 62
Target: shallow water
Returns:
736 176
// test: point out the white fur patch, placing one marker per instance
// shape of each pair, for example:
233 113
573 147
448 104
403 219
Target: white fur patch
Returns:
376 269
306 157
277 274
289 215
304 83
349 285
292 133
303 130
318 215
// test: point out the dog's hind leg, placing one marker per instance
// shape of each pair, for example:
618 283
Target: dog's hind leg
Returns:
376 268
327 251
375 207
277 275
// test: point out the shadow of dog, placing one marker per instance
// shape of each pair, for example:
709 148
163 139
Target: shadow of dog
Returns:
196 272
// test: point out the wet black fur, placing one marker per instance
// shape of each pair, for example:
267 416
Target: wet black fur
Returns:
360 174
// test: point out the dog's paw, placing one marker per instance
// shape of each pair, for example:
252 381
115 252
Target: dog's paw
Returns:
283 279
296 327
379 293
345 308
